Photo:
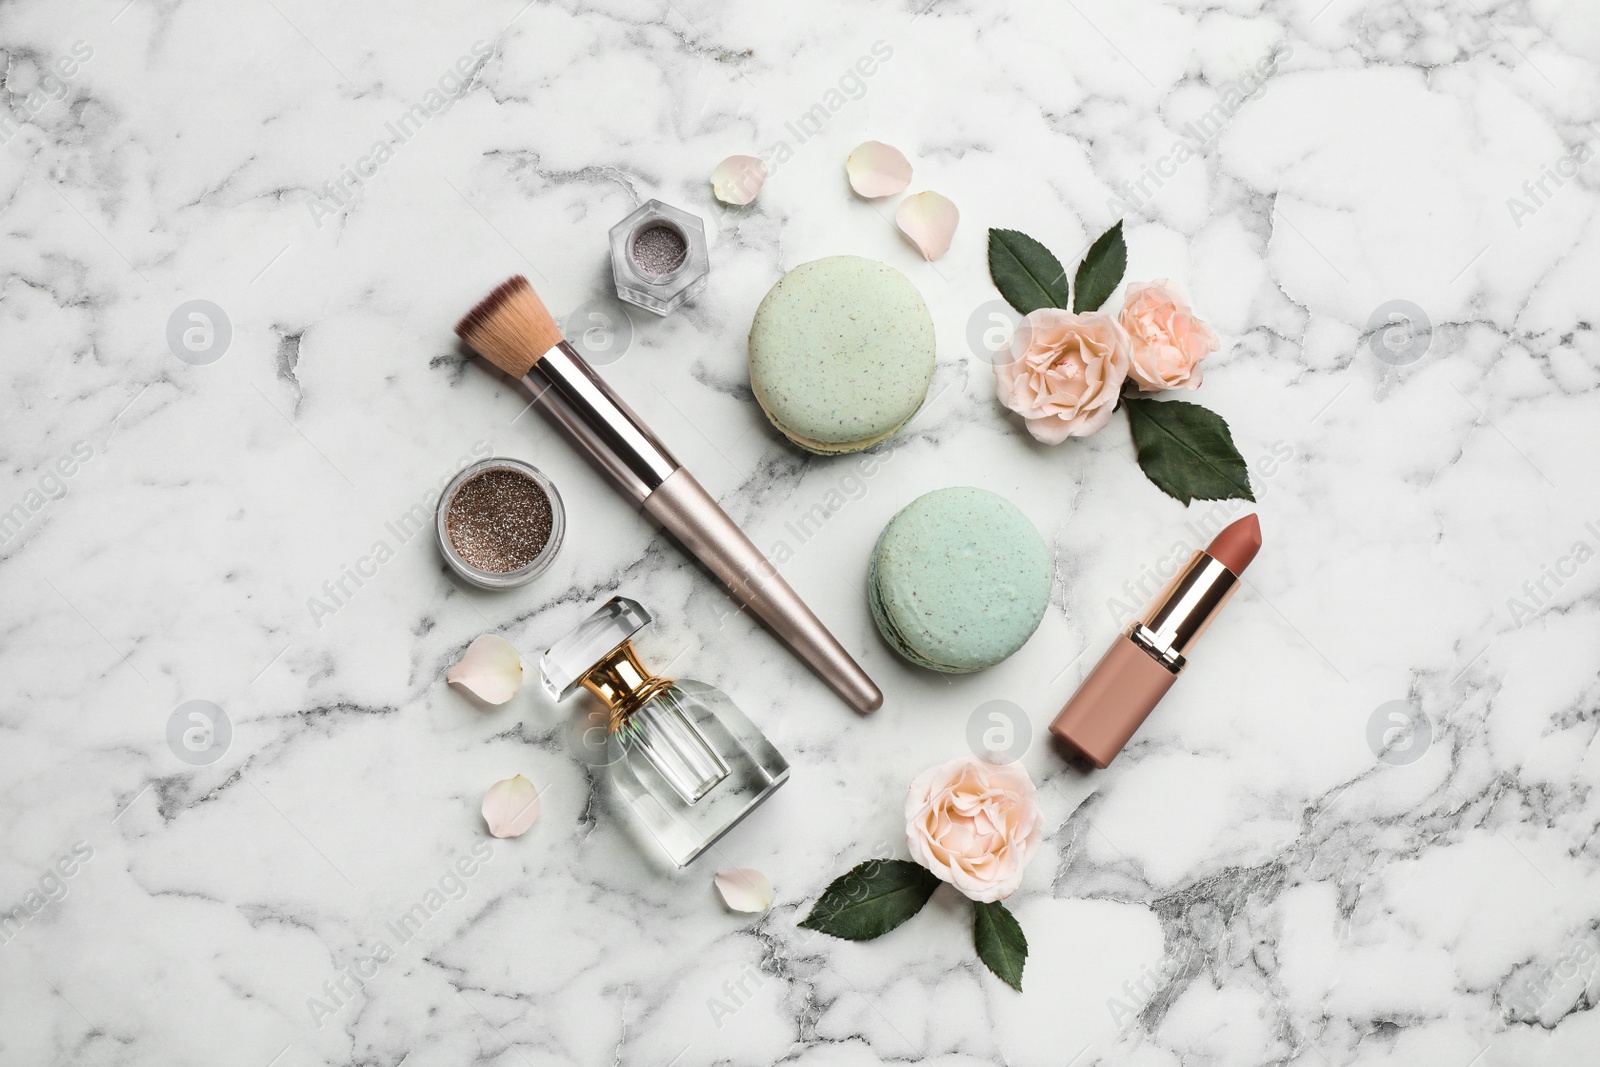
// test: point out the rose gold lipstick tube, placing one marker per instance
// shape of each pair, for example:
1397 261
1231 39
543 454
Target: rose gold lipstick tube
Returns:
1146 659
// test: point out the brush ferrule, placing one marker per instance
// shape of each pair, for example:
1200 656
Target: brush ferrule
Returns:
599 421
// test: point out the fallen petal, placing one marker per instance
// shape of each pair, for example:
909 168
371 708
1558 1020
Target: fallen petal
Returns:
877 169
745 890
738 179
511 806
491 670
929 221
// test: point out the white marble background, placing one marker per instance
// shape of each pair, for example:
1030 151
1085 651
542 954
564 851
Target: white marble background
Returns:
1249 878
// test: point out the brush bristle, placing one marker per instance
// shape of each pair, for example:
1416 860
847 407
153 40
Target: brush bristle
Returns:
511 327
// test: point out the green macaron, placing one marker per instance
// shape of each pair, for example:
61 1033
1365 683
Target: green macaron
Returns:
841 353
959 580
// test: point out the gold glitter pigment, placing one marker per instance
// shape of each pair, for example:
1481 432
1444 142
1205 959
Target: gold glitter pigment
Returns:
499 521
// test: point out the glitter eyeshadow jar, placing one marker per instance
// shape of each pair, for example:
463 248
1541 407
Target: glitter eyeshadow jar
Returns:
500 523
659 258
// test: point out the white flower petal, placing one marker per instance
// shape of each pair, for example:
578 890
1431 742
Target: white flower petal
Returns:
745 890
929 221
877 169
974 825
511 806
491 669
738 179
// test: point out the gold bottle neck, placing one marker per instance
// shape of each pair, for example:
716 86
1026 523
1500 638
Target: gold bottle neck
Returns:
623 683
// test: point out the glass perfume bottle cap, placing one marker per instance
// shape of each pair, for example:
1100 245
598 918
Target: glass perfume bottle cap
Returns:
567 662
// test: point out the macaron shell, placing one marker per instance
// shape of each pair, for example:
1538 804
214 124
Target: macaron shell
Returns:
959 580
822 448
841 353
886 624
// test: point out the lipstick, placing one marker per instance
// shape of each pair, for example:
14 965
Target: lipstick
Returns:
1145 660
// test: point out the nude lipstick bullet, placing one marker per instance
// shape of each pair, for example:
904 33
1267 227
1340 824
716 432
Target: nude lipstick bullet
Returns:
1144 662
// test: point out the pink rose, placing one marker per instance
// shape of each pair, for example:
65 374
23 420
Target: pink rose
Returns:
975 825
1064 373
1167 341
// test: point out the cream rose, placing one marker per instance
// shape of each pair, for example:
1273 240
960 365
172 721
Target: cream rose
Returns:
975 825
1166 342
1064 373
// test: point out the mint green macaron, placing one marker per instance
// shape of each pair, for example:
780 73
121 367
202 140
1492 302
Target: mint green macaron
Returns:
841 353
959 580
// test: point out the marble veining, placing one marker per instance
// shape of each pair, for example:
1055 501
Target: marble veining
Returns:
1361 830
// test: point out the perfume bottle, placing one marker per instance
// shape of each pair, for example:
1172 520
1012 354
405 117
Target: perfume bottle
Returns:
683 757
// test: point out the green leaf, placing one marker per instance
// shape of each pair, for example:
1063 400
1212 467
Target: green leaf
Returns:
1027 274
1101 271
871 899
1187 450
999 941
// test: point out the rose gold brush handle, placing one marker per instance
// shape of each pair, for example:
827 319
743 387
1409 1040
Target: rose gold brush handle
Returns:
598 421
689 513
569 390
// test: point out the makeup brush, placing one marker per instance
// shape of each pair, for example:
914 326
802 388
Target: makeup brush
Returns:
512 330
